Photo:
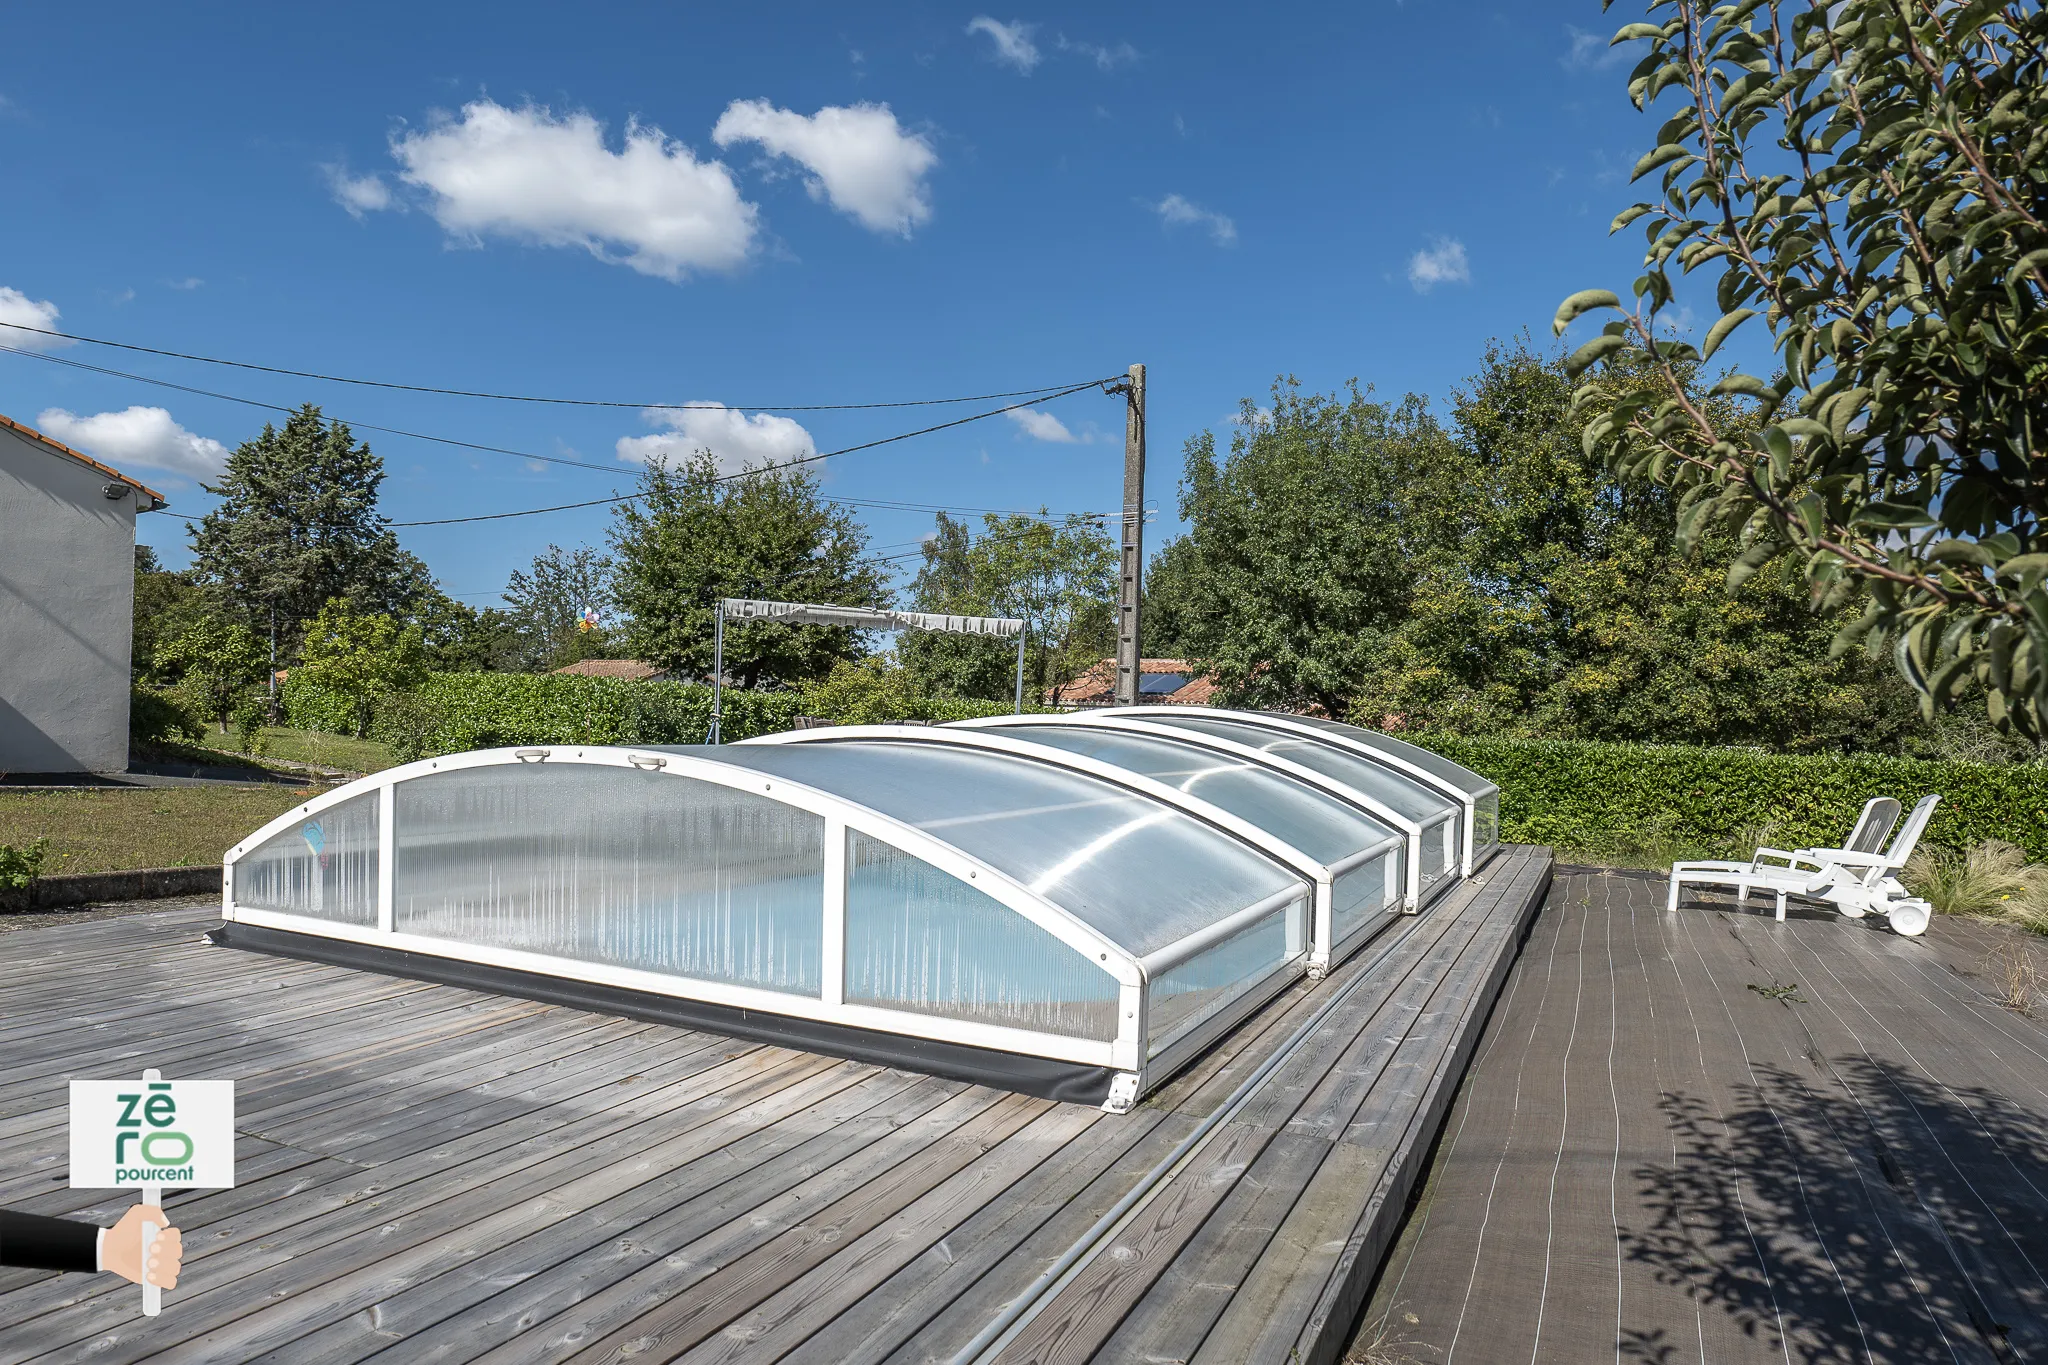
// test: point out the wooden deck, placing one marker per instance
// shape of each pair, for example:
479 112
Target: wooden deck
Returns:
1664 1154
433 1175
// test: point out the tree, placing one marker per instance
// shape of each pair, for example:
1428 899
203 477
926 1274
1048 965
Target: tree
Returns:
1301 550
298 525
166 603
693 536
547 607
462 639
1868 176
1059 577
1501 580
362 657
212 661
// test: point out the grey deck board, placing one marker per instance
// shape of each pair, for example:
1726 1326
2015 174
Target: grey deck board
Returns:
1854 1173
438 1175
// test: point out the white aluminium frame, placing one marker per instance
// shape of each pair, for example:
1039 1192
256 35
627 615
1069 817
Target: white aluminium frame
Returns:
1465 801
1319 875
1138 723
1126 1052
1381 747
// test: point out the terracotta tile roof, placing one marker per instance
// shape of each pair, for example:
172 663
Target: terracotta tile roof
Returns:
631 669
1097 686
157 499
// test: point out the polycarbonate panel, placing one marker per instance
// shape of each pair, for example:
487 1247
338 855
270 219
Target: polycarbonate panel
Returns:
1435 764
920 939
1486 821
1327 829
615 865
1401 793
1141 873
1362 894
324 867
1183 996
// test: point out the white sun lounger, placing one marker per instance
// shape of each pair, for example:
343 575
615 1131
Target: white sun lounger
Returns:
1856 880
1872 827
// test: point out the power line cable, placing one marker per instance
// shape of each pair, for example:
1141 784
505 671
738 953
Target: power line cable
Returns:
785 464
531 398
558 459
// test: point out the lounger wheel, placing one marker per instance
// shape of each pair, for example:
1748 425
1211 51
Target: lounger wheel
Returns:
1910 918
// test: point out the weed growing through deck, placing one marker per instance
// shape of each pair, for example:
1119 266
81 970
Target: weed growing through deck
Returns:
1991 881
1776 992
1386 1346
2015 974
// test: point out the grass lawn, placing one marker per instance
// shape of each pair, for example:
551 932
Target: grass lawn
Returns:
113 830
311 746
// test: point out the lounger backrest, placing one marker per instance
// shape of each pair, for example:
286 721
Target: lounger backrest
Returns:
1910 832
1874 826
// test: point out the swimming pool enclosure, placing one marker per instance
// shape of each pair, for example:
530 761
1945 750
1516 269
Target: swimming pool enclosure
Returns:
1069 905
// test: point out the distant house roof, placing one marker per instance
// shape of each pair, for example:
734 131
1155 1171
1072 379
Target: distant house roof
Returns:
631 669
155 499
1173 681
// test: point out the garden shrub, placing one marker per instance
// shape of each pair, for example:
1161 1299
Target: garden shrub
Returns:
21 864
158 717
452 712
1583 795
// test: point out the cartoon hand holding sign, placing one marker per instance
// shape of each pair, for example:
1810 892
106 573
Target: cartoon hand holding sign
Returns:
148 1134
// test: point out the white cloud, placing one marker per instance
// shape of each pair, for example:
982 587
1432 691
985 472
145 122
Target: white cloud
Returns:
530 176
1442 262
190 282
136 436
1106 58
734 439
857 155
1176 211
359 194
1590 52
1013 41
19 310
1042 426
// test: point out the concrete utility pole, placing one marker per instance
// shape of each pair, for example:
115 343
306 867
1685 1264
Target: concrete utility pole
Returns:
1127 642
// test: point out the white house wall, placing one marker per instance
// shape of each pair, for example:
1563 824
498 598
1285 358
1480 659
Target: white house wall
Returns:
67 590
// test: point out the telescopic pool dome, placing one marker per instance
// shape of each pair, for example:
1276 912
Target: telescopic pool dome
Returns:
1069 916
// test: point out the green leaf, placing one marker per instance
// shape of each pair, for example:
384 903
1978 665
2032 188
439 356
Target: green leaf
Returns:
1718 333
1659 156
1585 301
1893 516
1754 558
1599 348
1629 33
1629 215
1746 386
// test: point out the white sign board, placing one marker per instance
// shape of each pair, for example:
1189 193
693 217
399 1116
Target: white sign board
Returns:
150 1132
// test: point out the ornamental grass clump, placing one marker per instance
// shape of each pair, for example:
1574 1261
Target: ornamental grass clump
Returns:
1991 881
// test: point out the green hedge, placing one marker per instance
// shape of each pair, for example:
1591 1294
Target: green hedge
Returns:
1585 796
492 710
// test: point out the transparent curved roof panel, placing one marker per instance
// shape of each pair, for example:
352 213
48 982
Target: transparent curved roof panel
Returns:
1187 994
1141 874
1435 764
322 867
1326 828
635 869
919 939
1403 794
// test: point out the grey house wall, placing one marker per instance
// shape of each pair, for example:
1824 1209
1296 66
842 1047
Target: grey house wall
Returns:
67 593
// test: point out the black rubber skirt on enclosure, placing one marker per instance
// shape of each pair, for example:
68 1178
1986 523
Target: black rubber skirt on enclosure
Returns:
1045 1077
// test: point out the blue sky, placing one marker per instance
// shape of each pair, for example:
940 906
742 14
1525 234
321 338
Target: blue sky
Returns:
807 204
